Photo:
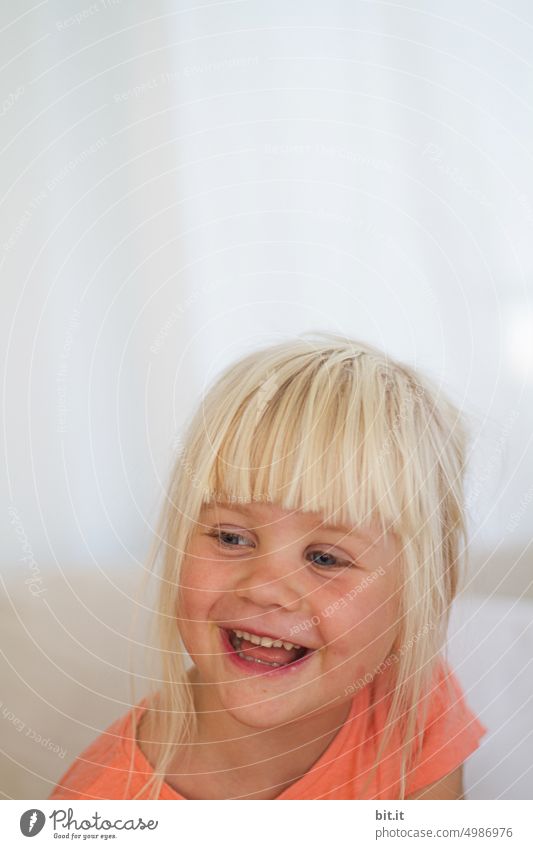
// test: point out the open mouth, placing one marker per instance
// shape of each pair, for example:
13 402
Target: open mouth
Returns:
265 651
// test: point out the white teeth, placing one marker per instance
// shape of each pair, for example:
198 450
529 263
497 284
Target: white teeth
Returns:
268 642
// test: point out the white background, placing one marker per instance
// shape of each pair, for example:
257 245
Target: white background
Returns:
184 181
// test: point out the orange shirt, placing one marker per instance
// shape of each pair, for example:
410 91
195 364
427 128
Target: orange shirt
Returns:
451 734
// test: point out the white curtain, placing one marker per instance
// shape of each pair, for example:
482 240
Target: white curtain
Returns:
182 182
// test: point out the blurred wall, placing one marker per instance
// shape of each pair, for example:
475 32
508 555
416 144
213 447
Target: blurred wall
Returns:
183 182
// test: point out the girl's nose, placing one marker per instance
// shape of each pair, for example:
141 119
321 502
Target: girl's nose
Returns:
270 581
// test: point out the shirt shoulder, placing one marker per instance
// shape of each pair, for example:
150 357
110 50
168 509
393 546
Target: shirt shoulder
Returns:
452 731
102 770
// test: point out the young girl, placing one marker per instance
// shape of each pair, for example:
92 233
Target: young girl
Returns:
311 549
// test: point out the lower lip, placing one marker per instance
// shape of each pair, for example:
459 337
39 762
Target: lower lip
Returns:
253 668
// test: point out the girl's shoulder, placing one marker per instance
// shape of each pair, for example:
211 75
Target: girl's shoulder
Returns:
452 730
102 770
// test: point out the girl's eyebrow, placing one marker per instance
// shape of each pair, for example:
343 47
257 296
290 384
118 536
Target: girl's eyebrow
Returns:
247 512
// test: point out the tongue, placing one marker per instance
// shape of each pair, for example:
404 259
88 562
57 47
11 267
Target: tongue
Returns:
272 655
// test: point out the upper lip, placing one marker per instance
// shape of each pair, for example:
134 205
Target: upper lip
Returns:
274 634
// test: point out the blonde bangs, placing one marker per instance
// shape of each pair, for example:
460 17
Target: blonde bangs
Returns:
317 432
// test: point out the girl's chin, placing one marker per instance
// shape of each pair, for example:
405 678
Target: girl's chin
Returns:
261 716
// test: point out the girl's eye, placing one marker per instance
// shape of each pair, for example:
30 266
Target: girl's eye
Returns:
228 538
324 560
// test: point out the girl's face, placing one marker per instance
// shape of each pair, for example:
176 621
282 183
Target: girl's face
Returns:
271 572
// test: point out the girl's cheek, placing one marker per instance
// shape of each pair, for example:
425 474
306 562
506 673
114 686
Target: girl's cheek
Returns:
190 598
365 632
201 586
198 574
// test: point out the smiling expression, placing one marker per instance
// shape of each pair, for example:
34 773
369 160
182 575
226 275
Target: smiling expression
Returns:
269 571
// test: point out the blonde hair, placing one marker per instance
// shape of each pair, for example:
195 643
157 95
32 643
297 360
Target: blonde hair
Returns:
328 424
